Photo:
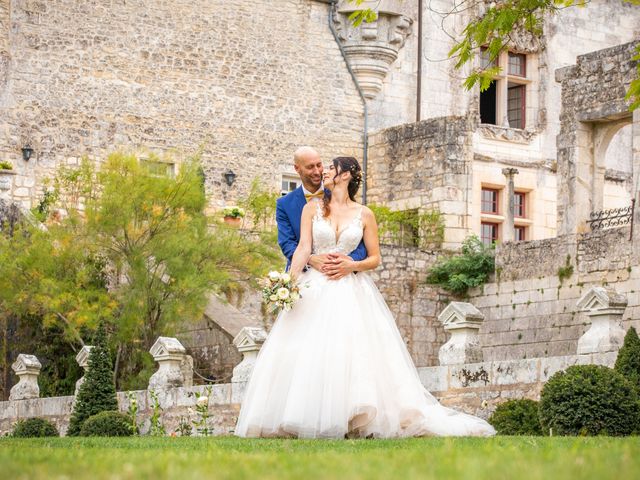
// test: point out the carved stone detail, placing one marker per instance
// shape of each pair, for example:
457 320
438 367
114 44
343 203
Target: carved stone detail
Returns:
83 360
463 321
170 355
371 48
605 308
27 368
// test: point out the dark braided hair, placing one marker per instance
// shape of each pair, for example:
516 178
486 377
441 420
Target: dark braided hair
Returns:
341 165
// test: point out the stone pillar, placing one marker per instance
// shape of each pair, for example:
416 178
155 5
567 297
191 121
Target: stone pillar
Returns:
83 360
248 342
508 232
27 368
169 353
604 307
463 320
372 47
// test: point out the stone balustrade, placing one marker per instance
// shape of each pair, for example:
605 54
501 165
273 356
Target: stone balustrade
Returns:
463 321
248 342
27 368
170 355
83 360
604 307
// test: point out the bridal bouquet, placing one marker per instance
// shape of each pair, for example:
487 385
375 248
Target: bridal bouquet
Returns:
280 292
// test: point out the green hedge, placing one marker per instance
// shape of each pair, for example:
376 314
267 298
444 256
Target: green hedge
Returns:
517 417
107 424
589 400
35 427
628 361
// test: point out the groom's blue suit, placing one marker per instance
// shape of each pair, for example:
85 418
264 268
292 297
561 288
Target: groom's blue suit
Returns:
288 215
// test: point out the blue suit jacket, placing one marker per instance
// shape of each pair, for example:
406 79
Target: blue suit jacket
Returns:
288 216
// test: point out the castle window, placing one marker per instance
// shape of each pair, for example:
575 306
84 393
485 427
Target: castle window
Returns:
520 233
290 183
519 204
504 102
489 232
490 201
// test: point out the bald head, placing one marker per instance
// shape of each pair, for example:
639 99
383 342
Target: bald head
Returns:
304 152
307 163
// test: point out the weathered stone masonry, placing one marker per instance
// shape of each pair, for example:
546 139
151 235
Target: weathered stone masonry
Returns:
85 78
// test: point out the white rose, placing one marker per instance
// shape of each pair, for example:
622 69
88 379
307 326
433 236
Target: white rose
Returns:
203 401
295 296
274 276
273 298
285 277
283 293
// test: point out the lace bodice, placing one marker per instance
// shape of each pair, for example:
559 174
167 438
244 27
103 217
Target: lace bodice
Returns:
325 239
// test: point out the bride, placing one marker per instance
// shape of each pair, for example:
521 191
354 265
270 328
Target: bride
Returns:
335 365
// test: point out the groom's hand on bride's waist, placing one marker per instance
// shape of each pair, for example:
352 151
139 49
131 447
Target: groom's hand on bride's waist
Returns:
338 265
318 261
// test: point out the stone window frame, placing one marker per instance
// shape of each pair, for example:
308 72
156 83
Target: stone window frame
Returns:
516 235
505 80
497 201
494 238
291 178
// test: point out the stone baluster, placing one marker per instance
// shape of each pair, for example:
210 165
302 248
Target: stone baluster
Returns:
27 368
463 321
83 360
170 355
605 308
248 342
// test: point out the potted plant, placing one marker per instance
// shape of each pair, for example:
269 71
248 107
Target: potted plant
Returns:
6 174
233 215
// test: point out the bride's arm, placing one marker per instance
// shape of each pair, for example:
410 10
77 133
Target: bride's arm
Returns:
371 242
303 251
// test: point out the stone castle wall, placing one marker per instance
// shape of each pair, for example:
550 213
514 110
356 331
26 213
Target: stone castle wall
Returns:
531 312
425 165
247 82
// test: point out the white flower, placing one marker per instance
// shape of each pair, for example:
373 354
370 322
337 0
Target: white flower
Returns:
273 297
285 277
295 296
190 411
485 404
274 276
283 293
202 401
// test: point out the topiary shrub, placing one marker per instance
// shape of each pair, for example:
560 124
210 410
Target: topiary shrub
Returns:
35 427
588 400
97 392
107 424
517 417
628 361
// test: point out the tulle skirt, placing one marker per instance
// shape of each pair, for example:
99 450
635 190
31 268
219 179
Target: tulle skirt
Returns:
335 366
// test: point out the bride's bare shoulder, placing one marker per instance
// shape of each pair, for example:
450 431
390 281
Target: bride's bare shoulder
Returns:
367 213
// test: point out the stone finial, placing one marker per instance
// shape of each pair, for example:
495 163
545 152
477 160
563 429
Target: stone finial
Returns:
169 353
372 47
248 342
463 320
27 368
83 360
605 307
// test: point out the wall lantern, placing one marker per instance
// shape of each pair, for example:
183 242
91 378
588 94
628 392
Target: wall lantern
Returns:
27 151
229 177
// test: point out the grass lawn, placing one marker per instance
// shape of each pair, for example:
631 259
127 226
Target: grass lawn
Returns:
227 457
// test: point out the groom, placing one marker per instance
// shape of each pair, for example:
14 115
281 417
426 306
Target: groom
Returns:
289 211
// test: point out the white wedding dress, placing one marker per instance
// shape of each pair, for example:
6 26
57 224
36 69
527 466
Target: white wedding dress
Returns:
335 365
